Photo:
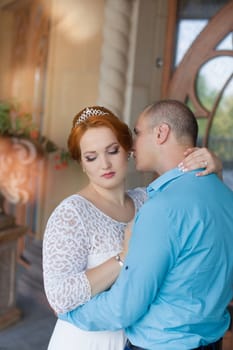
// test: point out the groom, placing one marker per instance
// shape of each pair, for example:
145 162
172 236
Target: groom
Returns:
177 278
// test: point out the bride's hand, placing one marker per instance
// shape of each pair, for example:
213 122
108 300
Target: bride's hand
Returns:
201 158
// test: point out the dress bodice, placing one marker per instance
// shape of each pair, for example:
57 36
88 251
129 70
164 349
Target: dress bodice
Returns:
78 236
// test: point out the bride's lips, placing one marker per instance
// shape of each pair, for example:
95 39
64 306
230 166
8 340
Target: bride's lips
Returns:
108 175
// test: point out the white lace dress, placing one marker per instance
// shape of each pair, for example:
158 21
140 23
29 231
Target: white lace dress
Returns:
80 236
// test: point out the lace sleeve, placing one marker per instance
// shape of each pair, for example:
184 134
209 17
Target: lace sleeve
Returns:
65 251
139 195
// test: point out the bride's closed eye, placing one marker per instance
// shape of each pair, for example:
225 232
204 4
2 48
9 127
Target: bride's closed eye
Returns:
90 158
113 150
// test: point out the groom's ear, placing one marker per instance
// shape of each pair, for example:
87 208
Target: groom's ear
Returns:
161 132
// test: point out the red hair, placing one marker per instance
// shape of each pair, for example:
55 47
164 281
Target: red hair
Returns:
106 119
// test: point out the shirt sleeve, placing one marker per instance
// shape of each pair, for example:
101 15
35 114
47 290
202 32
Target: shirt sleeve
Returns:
65 251
150 256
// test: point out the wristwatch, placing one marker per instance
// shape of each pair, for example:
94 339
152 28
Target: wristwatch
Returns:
118 259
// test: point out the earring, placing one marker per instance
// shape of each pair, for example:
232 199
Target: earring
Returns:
130 155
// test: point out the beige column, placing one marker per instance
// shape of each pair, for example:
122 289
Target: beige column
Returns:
115 50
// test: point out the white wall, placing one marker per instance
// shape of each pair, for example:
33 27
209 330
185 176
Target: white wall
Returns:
71 84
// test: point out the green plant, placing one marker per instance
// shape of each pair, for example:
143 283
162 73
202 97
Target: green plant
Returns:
16 123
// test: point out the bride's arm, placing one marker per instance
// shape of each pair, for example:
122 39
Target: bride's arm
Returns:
104 275
67 281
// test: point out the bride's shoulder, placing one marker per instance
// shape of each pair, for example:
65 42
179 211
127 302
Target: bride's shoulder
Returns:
138 193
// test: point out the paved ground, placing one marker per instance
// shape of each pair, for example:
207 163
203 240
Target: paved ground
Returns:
33 331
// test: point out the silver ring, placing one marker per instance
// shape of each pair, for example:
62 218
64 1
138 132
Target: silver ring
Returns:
204 163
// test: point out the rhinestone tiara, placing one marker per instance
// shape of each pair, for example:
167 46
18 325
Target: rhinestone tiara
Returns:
89 112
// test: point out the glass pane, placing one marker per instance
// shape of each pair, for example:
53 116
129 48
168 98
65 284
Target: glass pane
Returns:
211 79
226 43
193 16
199 8
188 30
202 123
210 84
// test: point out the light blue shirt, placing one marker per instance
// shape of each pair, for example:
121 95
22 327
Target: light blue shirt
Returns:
177 279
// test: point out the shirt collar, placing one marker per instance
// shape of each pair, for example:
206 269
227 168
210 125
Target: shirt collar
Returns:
162 180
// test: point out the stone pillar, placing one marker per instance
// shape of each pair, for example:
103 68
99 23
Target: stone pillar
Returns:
115 50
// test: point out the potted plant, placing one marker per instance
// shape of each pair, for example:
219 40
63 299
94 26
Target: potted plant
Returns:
21 145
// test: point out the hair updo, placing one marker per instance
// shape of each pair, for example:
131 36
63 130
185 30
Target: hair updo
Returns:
95 117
